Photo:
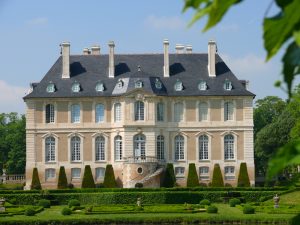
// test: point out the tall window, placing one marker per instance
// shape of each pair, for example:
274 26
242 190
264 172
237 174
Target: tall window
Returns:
50 149
228 111
139 146
117 110
118 148
160 111
178 112
49 113
99 110
160 147
229 146
203 111
75 113
100 148
139 110
179 147
203 147
75 148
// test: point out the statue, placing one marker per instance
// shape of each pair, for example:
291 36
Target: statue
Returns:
139 202
2 202
276 201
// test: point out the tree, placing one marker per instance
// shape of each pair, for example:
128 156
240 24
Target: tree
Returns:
217 179
88 180
35 183
62 179
169 177
243 179
109 177
192 180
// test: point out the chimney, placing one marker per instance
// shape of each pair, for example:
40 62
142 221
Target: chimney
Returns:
111 67
95 50
86 51
65 59
189 49
166 58
212 47
179 48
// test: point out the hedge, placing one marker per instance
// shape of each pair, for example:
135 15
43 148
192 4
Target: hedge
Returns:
62 179
169 176
88 180
192 179
35 183
217 179
243 179
109 177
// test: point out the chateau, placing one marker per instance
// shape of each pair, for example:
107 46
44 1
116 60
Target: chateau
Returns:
139 112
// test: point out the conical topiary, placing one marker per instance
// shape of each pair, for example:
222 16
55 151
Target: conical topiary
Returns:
169 178
109 177
88 180
62 179
243 180
35 183
217 180
192 180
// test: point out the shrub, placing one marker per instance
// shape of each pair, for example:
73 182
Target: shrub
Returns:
70 185
243 179
138 185
234 201
204 202
109 177
169 177
217 179
62 179
66 211
87 180
203 184
248 209
29 212
35 183
192 179
73 202
45 203
212 209
99 185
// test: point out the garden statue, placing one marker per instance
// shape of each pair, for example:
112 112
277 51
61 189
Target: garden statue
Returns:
139 202
2 202
276 201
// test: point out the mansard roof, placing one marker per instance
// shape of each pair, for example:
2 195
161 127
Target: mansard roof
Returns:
190 69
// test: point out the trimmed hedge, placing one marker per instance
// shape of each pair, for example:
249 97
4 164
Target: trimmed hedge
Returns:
192 179
234 201
169 180
212 209
62 179
248 209
66 211
87 180
109 177
45 203
35 183
243 179
217 179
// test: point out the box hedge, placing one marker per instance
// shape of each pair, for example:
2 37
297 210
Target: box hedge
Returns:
192 179
35 183
243 179
169 179
62 179
88 180
109 177
217 179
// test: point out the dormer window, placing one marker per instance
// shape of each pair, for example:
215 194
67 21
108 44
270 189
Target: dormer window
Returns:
202 85
120 84
158 84
178 86
227 85
76 87
138 84
99 87
51 88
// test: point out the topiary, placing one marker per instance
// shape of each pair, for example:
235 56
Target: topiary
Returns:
29 212
62 179
138 185
248 209
243 179
45 203
234 201
35 183
73 202
217 179
109 177
212 209
87 180
169 178
66 211
192 179
204 202
70 185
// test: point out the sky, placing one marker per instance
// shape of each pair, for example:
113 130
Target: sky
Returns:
32 30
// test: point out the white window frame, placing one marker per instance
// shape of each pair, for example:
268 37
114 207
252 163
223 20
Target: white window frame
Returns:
97 173
202 86
229 147
75 87
139 111
51 113
50 88
138 84
100 148
229 173
158 84
160 147
98 117
225 111
45 136
75 115
139 143
118 148
117 112
200 110
178 118
179 171
160 112
178 86
99 87
77 171
50 174
179 147
75 150
204 175
50 149
203 148
227 85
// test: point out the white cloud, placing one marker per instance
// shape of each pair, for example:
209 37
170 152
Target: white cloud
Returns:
11 98
37 21
163 22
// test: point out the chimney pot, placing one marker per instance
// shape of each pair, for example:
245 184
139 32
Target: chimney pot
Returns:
166 58
95 50
212 48
86 51
111 66
65 50
189 49
179 48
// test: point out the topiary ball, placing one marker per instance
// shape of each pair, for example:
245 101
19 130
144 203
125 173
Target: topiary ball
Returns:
66 211
248 209
212 209
45 203
234 201
204 202
29 212
73 202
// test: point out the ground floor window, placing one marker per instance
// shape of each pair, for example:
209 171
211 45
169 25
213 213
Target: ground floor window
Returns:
229 172
75 173
204 173
49 174
179 171
100 172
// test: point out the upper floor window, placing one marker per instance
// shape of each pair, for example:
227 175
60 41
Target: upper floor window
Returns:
160 147
50 87
229 173
100 148
139 110
50 113
227 85
202 85
204 173
179 171
203 111
99 111
75 148
179 147
99 87
138 84
158 84
49 174
228 111
203 147
50 149
120 84
228 147
118 148
160 111
178 86
76 87
75 113
117 111
178 112
100 172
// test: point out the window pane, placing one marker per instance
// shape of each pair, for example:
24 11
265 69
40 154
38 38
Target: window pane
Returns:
228 111
178 111
100 148
204 173
229 173
75 149
118 148
203 111
75 173
117 112
99 113
203 147
49 113
179 171
179 147
229 147
75 113
50 149
100 172
160 147
49 174
139 110
139 146
160 111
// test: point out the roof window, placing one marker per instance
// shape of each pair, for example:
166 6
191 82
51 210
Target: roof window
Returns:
178 86
99 86
138 84
50 87
202 85
227 85
158 84
120 84
76 87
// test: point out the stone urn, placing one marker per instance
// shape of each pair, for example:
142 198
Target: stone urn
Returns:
276 201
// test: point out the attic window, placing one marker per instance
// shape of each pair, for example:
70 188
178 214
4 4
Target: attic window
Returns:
138 84
120 84
178 86
51 88
76 87
158 84
202 85
227 85
99 87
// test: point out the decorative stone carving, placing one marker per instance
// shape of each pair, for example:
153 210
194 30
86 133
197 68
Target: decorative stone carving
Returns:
140 97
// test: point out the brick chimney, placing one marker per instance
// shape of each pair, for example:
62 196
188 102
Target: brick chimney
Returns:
212 48
65 51
166 58
111 66
95 50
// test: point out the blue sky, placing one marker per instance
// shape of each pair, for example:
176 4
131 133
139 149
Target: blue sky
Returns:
32 30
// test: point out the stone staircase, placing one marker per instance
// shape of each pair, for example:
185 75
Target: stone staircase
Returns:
152 175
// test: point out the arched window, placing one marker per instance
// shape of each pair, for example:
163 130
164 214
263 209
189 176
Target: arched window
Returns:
117 111
75 113
99 111
203 111
118 148
139 110
75 148
203 147
49 113
228 111
160 147
139 146
179 147
228 147
178 112
160 111
50 149
100 148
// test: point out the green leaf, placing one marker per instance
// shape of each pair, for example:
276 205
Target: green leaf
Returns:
193 4
278 29
283 3
296 35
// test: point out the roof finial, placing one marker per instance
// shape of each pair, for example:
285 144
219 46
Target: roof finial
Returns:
139 68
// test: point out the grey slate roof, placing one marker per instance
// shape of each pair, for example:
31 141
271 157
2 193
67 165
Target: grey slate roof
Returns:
190 69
